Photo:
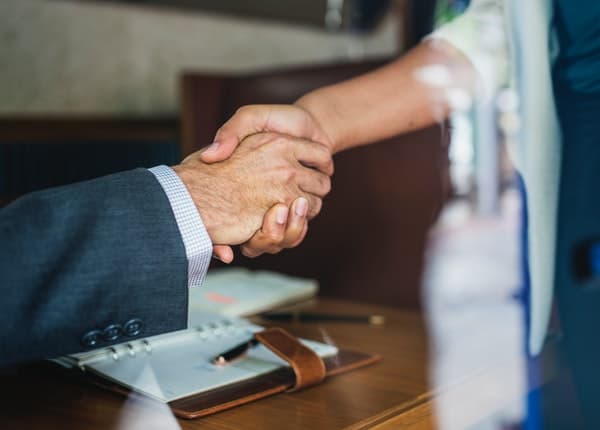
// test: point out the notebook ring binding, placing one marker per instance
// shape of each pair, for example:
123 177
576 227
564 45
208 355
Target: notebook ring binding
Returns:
114 353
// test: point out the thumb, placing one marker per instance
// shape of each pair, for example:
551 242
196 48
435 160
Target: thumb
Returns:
292 120
223 253
246 121
219 150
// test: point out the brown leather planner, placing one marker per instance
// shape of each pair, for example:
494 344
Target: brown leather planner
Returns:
305 369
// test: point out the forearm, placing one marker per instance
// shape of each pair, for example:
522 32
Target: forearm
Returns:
391 100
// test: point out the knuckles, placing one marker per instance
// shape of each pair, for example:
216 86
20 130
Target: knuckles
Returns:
244 112
287 175
324 158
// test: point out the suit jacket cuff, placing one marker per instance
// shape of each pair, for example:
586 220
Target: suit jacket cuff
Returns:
197 243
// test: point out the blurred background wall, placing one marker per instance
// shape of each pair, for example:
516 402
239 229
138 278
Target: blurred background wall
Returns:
66 57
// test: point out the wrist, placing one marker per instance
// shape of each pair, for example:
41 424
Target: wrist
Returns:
199 185
314 108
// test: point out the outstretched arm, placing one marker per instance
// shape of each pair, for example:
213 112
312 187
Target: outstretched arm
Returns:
392 100
405 95
465 57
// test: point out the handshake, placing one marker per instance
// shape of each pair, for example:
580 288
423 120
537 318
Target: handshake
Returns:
262 179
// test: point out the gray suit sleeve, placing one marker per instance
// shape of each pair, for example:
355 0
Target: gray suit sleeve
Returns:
88 265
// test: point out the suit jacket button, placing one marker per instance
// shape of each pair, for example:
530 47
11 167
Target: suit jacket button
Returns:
91 338
133 327
112 332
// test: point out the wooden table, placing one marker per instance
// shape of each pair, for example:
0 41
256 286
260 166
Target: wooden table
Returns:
390 394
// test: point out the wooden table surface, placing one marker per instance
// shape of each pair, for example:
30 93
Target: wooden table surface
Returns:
390 394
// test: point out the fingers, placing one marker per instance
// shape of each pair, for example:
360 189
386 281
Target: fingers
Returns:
246 121
313 155
297 224
300 237
274 236
272 233
223 253
313 182
219 150
314 205
284 119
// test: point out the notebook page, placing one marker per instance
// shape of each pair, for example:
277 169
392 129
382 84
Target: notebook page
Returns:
239 292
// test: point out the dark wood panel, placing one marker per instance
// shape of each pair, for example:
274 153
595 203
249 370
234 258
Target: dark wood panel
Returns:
87 129
208 100
41 152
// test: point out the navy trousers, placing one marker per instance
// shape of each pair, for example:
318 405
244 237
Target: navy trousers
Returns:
577 286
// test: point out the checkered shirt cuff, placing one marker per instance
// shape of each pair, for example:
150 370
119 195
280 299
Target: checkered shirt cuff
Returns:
198 246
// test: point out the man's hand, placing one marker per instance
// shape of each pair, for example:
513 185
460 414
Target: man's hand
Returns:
274 235
281 229
293 120
233 196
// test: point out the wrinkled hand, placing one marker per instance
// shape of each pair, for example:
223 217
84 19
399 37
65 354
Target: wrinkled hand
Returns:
281 229
233 196
276 235
292 120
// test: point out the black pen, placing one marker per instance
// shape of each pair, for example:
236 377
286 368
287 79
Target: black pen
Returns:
319 317
234 353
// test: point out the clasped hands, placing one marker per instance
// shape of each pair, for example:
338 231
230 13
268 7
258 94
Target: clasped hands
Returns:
262 179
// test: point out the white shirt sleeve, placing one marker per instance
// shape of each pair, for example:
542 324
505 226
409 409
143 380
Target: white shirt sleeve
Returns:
197 243
480 33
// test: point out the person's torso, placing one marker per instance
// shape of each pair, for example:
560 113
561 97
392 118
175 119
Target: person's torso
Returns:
577 24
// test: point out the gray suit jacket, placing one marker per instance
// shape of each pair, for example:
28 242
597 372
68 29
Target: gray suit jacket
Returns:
88 265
